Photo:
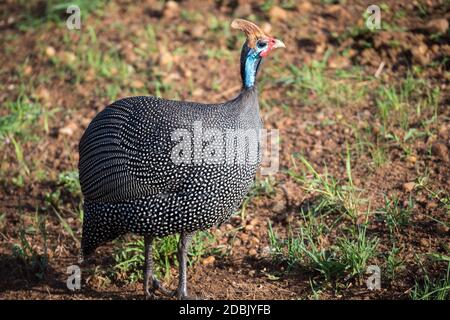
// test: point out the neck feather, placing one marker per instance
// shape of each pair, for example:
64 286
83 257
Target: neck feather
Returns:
250 61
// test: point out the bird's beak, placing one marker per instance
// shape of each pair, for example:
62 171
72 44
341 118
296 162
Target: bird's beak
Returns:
279 44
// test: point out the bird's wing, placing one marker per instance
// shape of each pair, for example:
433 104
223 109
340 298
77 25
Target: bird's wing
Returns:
126 151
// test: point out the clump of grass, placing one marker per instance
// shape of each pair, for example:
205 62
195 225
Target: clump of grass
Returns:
398 106
404 113
314 84
69 180
33 263
432 289
36 12
263 187
260 187
357 250
347 258
129 258
332 195
16 126
395 214
394 263
311 245
21 115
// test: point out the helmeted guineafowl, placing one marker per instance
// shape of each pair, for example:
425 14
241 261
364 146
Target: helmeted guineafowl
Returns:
157 167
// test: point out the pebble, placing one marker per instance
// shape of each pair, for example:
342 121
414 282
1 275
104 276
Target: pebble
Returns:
278 14
50 51
137 84
441 151
198 31
440 228
208 261
411 159
69 129
243 236
243 10
171 9
437 26
409 186
424 242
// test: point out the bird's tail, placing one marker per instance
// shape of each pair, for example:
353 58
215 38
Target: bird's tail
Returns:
98 227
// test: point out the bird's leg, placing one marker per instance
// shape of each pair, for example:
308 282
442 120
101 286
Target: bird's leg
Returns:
148 271
183 245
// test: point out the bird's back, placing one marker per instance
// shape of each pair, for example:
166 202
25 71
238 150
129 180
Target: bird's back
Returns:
127 151
153 166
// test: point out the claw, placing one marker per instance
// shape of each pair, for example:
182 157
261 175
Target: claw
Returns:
183 295
156 286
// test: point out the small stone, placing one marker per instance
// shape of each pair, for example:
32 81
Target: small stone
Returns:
278 14
67 57
440 228
235 242
43 94
197 92
137 84
165 58
411 159
69 129
244 237
255 241
243 10
289 218
27 70
249 227
90 75
443 132
409 186
236 219
279 207
441 151
437 26
171 9
50 51
252 273
266 27
208 261
338 12
419 55
304 6
432 205
198 31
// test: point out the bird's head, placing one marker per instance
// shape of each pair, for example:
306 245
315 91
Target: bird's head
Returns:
257 46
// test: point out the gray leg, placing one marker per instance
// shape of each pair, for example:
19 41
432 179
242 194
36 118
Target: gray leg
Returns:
183 245
149 290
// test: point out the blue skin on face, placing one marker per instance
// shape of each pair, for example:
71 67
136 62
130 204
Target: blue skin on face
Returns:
251 64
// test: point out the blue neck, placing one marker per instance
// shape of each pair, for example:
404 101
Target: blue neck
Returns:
250 60
251 68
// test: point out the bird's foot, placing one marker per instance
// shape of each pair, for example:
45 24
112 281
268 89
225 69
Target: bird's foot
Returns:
183 295
156 286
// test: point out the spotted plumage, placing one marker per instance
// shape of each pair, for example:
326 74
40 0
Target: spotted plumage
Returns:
156 167
130 183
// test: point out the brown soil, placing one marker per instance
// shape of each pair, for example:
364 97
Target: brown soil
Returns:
309 29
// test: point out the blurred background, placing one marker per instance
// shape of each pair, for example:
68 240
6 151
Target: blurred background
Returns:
364 135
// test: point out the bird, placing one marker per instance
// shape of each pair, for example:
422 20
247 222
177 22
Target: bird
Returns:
155 167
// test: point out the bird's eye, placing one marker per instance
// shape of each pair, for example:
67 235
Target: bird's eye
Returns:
261 44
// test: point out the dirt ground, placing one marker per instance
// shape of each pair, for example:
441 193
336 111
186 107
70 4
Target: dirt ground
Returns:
320 93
